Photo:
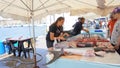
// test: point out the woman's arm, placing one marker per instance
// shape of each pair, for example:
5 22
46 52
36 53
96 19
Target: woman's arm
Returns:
65 34
52 36
58 38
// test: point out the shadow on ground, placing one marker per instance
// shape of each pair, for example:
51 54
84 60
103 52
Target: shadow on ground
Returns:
21 62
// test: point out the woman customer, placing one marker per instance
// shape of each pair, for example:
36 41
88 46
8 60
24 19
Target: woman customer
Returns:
115 37
55 33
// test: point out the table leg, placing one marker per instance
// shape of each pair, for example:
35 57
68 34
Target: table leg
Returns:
19 49
30 44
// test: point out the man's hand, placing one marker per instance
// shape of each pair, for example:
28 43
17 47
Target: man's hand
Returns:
86 30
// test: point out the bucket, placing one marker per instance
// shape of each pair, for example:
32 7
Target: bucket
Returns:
2 48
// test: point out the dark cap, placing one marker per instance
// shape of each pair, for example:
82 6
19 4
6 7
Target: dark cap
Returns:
116 10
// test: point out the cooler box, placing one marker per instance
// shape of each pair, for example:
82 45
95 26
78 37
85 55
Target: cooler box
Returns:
2 48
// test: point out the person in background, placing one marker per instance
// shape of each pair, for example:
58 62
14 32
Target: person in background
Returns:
111 23
79 26
100 24
97 24
115 37
55 33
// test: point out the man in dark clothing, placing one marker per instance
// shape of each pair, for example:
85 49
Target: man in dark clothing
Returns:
78 27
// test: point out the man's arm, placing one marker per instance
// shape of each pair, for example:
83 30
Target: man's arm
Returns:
86 30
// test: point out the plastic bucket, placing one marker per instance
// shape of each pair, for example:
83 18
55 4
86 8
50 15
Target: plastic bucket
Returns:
2 48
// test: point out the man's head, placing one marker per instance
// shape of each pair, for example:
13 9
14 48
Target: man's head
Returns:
116 12
82 20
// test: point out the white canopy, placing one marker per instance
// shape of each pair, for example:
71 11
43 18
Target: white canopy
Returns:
21 9
29 9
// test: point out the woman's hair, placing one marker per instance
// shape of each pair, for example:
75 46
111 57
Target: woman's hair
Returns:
58 19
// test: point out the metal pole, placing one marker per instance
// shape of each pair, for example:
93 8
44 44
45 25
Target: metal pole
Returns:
54 17
34 41
50 19
29 28
63 15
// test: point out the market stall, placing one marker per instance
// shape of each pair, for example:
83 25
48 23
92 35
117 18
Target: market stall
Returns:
86 51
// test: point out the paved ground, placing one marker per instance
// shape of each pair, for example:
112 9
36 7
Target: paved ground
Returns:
40 49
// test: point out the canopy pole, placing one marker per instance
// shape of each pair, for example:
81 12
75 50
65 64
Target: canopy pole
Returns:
34 40
33 31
